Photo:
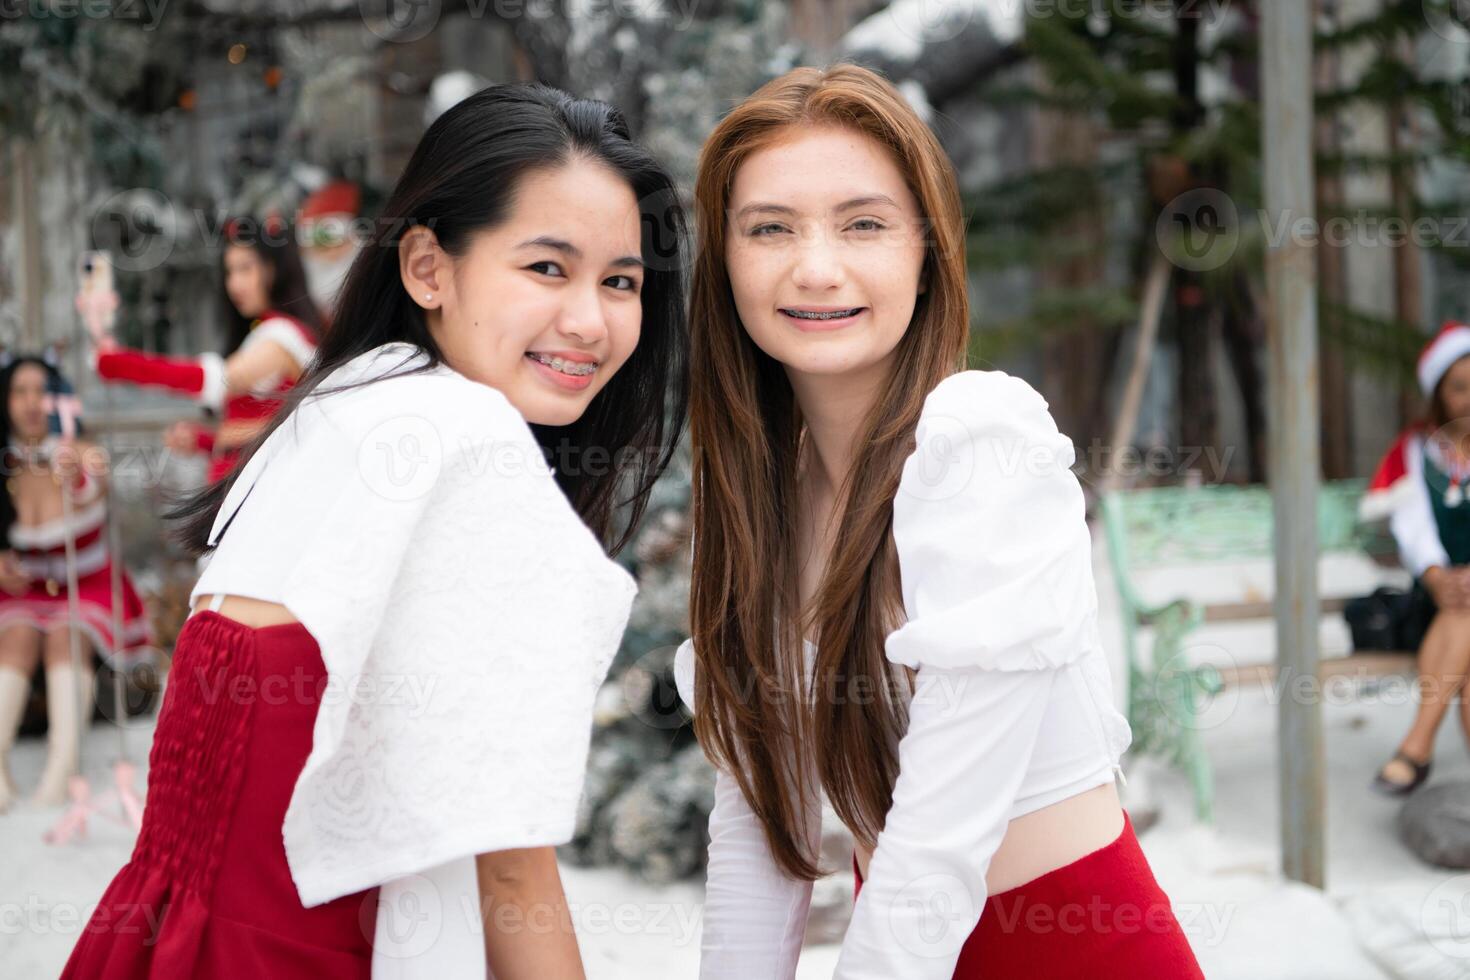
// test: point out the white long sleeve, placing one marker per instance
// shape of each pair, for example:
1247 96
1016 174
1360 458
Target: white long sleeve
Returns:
754 915
960 769
1413 525
1011 711
989 524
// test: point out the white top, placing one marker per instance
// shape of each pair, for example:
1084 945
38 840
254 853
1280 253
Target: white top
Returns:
1412 522
466 617
1012 710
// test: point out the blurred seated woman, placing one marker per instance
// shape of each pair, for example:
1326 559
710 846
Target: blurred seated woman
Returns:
1420 486
35 623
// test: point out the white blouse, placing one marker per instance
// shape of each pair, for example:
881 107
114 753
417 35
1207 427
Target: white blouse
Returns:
1412 522
1012 710
466 617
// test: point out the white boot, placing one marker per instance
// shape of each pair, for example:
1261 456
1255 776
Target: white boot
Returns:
68 710
15 690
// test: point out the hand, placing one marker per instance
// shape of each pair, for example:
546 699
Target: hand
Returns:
1450 587
13 578
98 308
182 437
66 461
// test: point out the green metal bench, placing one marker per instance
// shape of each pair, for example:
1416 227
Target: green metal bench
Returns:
1172 526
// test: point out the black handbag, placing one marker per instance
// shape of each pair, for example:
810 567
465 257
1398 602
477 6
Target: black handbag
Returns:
1390 619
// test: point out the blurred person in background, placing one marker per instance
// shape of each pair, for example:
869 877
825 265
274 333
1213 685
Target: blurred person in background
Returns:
329 242
1421 487
35 616
273 331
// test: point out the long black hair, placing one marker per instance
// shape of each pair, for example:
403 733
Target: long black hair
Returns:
274 243
10 463
460 181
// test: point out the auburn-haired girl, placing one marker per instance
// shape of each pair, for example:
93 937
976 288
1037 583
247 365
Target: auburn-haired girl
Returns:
922 643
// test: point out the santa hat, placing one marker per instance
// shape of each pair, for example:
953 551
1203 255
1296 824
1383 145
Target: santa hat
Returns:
338 199
1448 346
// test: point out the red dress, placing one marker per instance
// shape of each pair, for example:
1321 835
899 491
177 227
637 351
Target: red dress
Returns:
41 552
1102 917
208 893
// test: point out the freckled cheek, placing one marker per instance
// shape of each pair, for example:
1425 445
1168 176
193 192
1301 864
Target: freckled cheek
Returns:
756 276
887 275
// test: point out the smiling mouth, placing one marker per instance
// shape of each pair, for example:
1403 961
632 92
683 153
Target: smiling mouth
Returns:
829 315
577 369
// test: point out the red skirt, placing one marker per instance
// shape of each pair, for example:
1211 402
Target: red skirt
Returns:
45 607
207 892
1102 917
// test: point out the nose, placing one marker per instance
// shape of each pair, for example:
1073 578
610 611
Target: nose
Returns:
818 267
583 318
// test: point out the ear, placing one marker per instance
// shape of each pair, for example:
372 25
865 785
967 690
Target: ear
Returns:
423 266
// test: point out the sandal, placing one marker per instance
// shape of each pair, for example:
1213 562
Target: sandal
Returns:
1389 787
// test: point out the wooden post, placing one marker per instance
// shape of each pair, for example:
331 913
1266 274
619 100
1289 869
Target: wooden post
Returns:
1294 422
29 282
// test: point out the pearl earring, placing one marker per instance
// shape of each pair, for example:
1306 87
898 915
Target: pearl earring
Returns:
428 295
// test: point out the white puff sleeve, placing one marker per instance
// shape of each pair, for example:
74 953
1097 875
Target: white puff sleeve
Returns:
995 558
754 915
1412 522
287 335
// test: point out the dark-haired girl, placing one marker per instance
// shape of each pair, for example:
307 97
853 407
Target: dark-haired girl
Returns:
272 336
414 607
35 612
924 646
1422 486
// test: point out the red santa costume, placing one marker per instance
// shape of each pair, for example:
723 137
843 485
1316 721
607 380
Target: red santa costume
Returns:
40 550
1418 486
203 378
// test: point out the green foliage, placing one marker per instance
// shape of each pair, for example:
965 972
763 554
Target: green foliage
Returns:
1115 66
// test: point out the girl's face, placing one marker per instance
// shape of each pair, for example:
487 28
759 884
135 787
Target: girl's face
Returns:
27 404
546 306
1454 391
825 248
247 280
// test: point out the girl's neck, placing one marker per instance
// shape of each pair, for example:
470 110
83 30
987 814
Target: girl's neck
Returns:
832 409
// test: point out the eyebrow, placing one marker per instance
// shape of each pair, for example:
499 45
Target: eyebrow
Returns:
567 248
761 207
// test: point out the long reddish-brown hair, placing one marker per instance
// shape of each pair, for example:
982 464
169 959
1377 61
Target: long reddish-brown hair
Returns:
757 715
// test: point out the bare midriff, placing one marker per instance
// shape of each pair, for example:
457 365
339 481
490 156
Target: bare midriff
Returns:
251 612
1046 839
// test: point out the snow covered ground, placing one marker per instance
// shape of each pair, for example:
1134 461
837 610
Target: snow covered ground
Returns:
1244 921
